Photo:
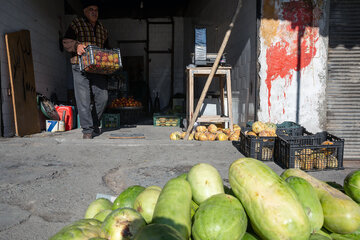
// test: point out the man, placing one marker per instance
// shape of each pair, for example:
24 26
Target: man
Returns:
87 30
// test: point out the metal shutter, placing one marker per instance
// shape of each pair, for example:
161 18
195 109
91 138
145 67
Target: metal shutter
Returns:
343 87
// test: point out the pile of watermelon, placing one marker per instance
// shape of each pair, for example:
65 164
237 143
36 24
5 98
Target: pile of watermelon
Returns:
196 205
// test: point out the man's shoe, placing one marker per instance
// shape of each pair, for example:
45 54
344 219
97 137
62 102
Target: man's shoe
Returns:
87 136
96 132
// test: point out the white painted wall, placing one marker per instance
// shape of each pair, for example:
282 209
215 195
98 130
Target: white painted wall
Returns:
284 90
41 18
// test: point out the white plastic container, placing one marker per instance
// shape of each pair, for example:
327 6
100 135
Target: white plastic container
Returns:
52 125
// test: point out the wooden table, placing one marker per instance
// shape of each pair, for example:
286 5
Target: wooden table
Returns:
223 73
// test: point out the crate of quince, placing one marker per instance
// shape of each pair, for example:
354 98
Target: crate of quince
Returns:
210 133
320 151
257 140
166 120
100 61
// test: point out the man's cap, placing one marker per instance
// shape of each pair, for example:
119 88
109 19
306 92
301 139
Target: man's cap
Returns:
87 3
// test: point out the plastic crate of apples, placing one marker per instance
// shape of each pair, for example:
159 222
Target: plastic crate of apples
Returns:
100 61
124 102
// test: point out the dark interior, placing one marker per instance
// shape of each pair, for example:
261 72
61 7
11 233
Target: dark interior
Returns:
138 9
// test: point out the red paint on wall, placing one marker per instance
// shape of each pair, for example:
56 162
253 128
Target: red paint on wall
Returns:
277 67
283 57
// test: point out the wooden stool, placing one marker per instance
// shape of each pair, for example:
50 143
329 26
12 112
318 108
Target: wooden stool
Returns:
222 73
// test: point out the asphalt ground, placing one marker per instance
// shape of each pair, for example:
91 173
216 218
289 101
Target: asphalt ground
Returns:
47 180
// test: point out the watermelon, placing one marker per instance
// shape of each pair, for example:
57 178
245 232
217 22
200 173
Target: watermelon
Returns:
352 185
351 236
336 185
97 206
341 213
154 187
79 230
309 200
249 236
194 208
220 217
127 197
102 215
317 236
121 224
174 206
324 232
270 203
145 202
205 181
158 231
183 176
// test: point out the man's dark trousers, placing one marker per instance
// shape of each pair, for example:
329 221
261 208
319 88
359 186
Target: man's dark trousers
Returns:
86 84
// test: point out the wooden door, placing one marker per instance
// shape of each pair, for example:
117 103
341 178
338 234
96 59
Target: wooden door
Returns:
22 79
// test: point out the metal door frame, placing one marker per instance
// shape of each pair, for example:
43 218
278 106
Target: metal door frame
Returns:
167 51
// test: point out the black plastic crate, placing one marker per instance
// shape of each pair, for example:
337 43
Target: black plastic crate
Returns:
288 128
288 124
309 153
263 148
110 120
296 131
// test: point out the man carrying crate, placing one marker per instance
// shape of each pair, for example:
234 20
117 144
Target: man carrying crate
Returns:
83 31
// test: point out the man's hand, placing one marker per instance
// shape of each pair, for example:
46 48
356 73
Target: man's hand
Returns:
80 49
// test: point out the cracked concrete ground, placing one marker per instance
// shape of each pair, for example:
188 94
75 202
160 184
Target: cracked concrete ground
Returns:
47 180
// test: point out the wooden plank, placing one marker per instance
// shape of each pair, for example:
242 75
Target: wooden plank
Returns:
191 96
187 97
222 104
22 80
229 100
214 119
205 71
126 136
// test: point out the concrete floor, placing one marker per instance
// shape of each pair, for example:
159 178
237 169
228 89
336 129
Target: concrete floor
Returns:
47 180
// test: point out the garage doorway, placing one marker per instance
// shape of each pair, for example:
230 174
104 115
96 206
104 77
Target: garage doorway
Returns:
343 87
